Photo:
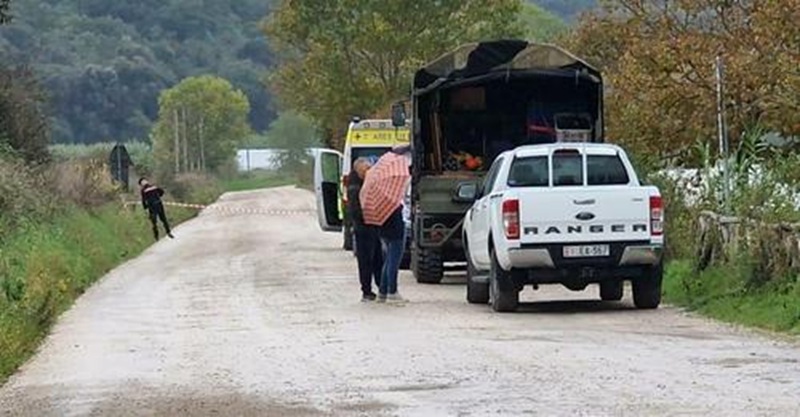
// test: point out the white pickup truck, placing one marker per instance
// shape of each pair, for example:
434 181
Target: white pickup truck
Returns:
567 213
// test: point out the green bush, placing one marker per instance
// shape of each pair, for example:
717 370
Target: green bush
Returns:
193 188
753 278
141 153
258 179
45 266
60 230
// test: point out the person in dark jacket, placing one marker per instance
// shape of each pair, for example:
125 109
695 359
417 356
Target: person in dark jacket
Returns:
151 201
367 238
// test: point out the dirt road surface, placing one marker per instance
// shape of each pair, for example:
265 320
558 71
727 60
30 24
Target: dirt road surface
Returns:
251 312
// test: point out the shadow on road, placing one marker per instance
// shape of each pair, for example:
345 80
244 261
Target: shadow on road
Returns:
573 307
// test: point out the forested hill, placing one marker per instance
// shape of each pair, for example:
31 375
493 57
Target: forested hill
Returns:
566 9
104 62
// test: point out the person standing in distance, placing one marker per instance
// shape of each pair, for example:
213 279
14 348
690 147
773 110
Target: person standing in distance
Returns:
151 201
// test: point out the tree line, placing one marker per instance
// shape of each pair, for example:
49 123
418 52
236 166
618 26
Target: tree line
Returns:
659 62
104 63
345 58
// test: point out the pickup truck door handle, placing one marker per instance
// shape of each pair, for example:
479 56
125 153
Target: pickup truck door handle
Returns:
584 202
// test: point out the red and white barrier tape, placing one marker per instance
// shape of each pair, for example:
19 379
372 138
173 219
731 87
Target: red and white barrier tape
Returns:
230 210
170 203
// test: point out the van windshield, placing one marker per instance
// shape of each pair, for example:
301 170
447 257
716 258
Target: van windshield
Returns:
371 153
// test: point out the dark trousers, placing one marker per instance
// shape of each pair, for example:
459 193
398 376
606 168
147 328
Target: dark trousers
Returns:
370 257
157 212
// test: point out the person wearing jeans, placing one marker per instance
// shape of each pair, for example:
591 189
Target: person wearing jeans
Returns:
393 236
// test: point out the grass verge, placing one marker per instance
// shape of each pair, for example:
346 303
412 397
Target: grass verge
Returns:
722 293
257 180
44 267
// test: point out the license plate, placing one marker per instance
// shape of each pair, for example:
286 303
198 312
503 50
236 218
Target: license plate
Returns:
587 251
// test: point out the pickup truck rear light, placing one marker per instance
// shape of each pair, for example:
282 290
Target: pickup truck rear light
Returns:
656 216
511 219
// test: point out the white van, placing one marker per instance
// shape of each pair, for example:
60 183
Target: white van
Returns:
365 138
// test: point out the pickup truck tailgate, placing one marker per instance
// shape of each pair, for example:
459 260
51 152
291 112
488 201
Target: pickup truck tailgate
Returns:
585 215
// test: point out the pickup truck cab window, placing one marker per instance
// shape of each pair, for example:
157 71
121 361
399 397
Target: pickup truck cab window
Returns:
606 170
491 177
568 170
529 172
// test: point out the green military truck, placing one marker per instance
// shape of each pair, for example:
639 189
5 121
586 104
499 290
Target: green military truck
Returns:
472 104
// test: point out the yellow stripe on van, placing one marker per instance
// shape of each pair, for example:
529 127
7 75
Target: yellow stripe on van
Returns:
361 137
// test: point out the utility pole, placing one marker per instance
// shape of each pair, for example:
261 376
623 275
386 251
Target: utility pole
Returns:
177 141
202 144
723 133
186 165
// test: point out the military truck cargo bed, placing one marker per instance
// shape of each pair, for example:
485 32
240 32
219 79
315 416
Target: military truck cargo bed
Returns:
434 193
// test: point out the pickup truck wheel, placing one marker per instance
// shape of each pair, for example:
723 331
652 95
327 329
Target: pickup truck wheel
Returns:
503 299
477 292
611 290
428 266
647 288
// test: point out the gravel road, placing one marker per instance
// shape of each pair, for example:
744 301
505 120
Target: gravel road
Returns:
251 312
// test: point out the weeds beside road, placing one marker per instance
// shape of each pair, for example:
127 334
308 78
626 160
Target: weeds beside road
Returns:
746 272
46 266
62 228
256 180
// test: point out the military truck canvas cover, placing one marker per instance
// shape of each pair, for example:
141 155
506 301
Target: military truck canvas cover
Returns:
484 59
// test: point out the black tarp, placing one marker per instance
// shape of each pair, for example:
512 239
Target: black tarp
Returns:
498 57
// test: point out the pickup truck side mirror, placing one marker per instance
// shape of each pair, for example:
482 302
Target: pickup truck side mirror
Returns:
466 192
398 114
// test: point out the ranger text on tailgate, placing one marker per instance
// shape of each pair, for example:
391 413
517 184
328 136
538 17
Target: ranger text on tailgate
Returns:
569 213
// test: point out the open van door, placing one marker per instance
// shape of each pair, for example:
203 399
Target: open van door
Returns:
327 173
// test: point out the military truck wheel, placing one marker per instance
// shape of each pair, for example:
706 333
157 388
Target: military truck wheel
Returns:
428 266
503 296
477 291
647 288
611 290
347 238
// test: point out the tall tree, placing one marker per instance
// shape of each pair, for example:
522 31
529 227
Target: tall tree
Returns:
659 57
343 58
23 122
294 134
5 11
104 62
201 121
539 24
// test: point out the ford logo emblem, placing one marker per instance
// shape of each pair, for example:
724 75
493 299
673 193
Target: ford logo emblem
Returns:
585 216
